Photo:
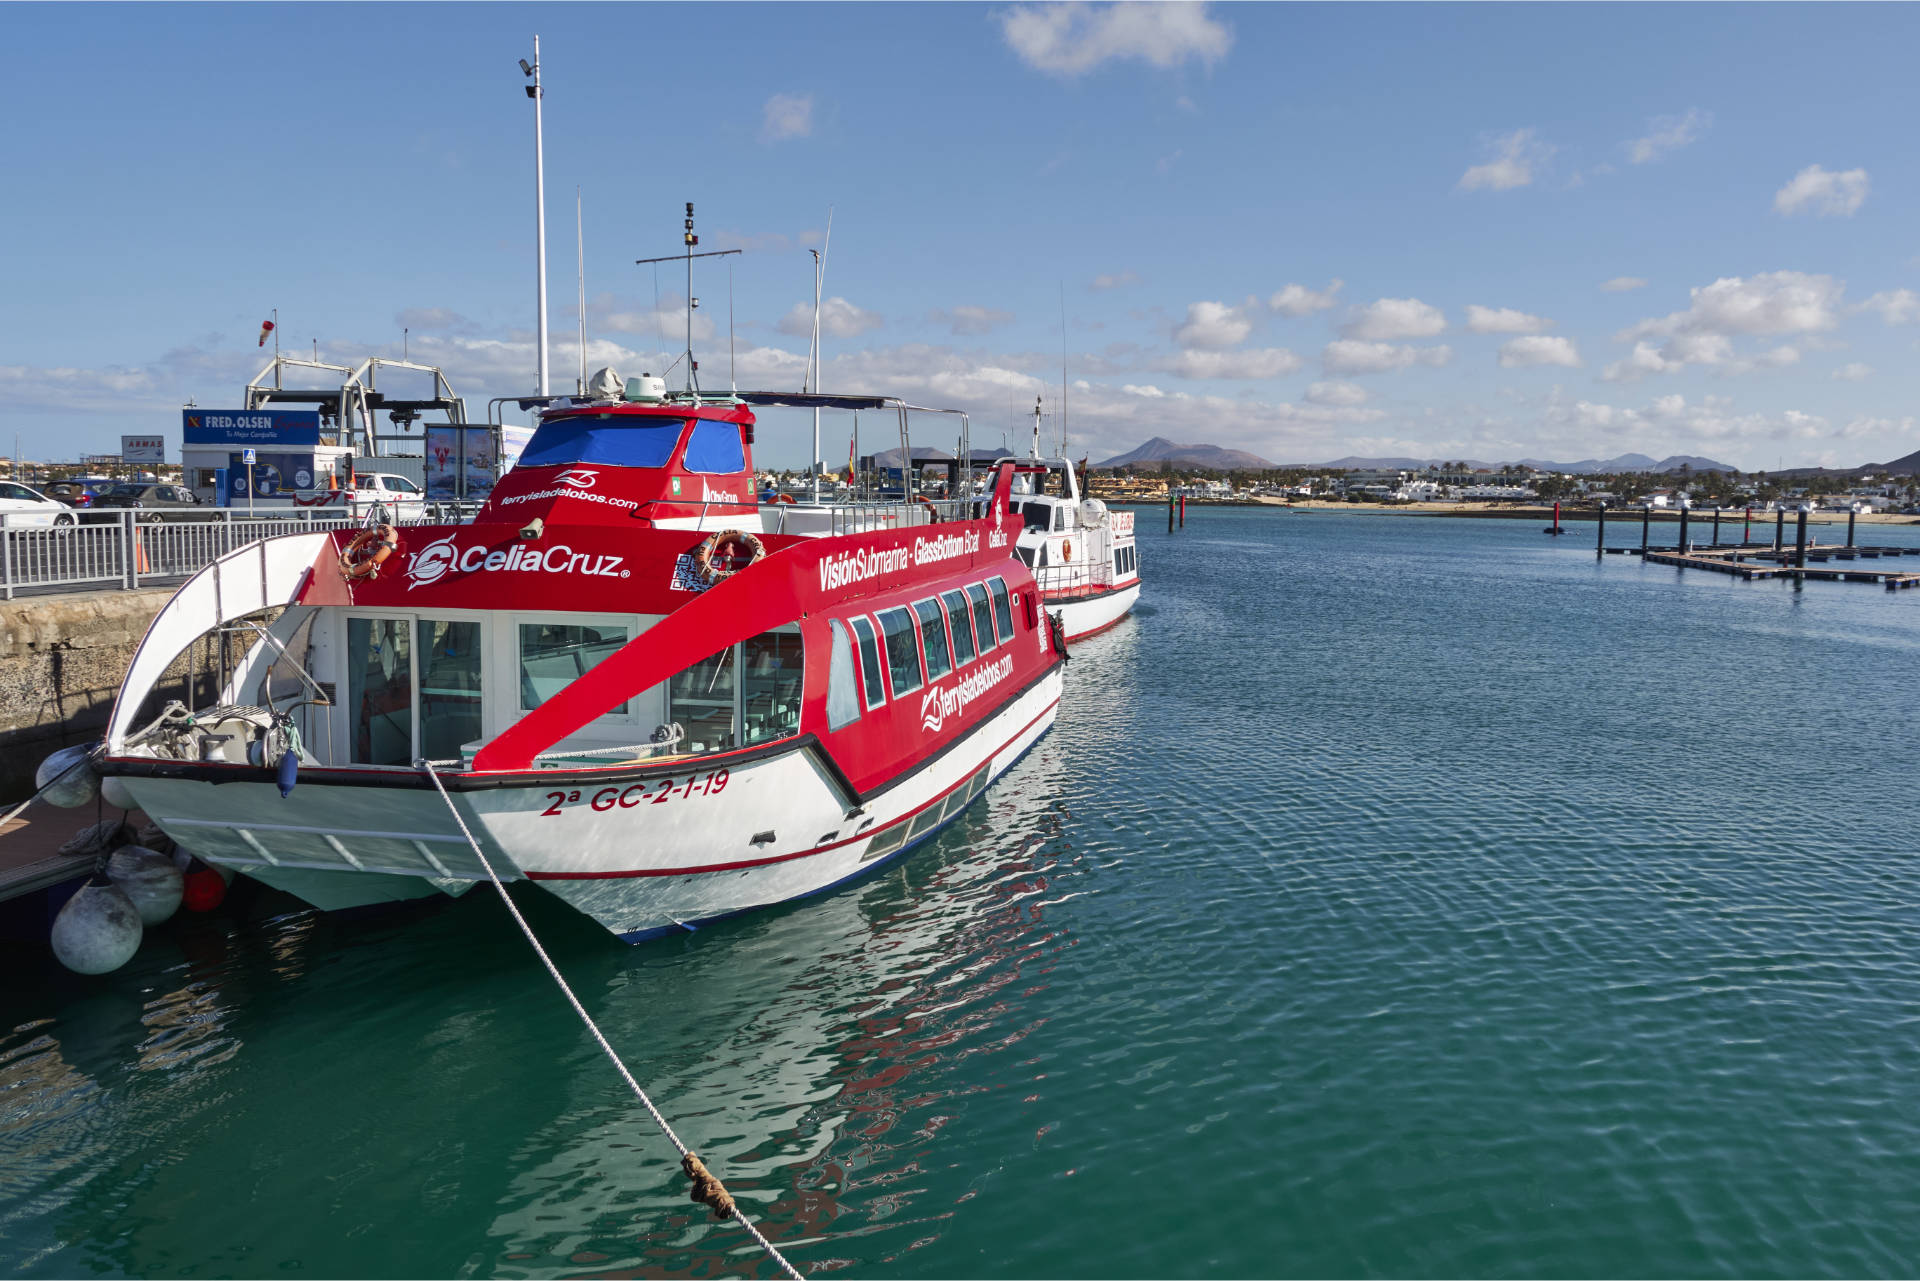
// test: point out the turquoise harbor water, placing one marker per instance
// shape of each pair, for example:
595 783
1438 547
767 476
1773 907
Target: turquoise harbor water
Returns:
1394 897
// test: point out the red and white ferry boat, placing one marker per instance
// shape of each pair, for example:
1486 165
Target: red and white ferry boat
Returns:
644 691
1082 554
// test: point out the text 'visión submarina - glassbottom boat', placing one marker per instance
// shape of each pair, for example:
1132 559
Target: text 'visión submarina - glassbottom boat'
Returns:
643 690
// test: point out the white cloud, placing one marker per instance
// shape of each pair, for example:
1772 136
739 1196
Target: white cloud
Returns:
1503 320
1538 350
1298 300
1668 133
1340 394
1853 373
1622 284
968 320
1896 306
1214 325
1114 280
1390 318
1773 302
1514 156
1828 195
838 319
1268 362
787 115
1071 39
1347 356
1186 104
1148 390
666 323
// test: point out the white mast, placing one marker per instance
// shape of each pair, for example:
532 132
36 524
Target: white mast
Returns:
539 211
580 245
813 354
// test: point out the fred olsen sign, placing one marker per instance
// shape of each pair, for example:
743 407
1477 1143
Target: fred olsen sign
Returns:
438 559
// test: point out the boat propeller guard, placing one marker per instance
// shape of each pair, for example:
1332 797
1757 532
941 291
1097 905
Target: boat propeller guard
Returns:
722 555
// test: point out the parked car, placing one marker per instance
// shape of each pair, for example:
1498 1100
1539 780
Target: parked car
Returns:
167 502
22 505
395 496
77 491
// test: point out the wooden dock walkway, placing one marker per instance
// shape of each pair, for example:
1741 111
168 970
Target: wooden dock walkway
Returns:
1758 560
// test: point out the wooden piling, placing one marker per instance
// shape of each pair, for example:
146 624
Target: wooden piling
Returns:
1800 540
1852 515
1716 524
1183 511
1646 526
1779 529
1746 528
1170 502
1600 547
1681 544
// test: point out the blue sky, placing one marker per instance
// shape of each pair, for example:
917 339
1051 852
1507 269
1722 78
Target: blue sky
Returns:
1557 231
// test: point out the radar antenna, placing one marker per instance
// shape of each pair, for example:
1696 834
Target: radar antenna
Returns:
690 241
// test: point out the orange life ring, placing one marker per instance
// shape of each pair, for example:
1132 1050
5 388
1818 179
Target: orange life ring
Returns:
1066 549
783 498
365 551
720 555
933 513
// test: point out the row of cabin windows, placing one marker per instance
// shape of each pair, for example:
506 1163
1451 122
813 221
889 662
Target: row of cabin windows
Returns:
1125 561
953 629
415 685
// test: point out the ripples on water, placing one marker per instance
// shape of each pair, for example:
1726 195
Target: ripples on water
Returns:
1394 897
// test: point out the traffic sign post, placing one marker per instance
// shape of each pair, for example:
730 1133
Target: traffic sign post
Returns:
248 457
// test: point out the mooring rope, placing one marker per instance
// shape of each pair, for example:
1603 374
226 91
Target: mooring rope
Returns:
707 1189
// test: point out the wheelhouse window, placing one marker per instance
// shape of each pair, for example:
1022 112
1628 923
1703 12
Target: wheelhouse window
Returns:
700 700
1002 607
715 449
616 441
933 638
963 648
771 672
554 655
876 692
982 616
903 651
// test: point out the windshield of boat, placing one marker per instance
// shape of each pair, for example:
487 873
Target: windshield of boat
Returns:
615 442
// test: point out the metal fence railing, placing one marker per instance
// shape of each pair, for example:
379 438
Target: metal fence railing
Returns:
132 549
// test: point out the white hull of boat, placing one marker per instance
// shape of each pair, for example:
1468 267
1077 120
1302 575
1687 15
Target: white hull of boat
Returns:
642 858
1085 615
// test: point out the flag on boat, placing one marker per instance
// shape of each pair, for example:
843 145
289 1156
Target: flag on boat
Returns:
850 443
266 327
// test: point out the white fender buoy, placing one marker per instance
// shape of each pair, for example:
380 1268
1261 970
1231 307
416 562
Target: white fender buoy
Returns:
99 929
150 879
113 790
78 785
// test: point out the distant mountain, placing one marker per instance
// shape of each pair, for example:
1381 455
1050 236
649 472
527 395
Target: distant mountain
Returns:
1906 466
1161 452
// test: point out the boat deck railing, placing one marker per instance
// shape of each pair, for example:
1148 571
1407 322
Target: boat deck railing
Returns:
131 549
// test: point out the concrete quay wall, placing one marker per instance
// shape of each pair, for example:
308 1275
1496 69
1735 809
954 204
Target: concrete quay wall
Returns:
62 659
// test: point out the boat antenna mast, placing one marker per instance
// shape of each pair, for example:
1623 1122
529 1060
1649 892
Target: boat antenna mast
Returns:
1036 427
689 242
535 92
